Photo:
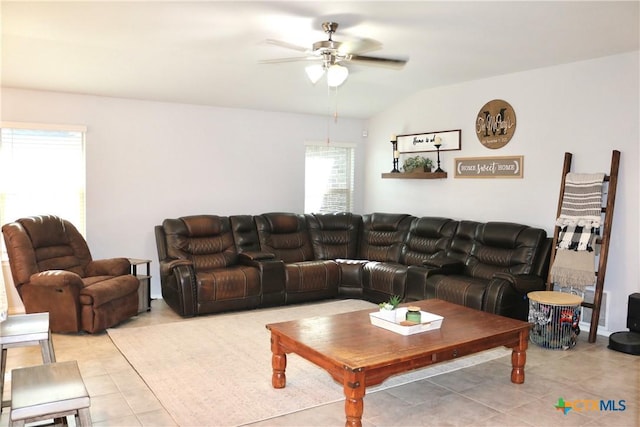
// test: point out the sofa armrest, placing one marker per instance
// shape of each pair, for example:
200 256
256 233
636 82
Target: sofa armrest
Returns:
523 283
255 256
272 276
108 267
183 278
168 265
56 279
416 284
444 265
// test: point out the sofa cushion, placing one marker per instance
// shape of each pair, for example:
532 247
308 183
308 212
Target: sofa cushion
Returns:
205 240
504 247
383 236
244 233
427 237
57 244
285 235
311 280
334 236
227 283
99 290
463 290
462 241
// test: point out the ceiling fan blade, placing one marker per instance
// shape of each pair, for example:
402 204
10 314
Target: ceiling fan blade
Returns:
294 59
359 46
372 60
286 45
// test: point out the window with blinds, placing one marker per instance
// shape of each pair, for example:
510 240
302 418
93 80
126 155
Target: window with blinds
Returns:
329 177
42 171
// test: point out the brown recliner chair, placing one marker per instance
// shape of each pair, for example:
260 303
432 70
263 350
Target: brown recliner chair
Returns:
53 272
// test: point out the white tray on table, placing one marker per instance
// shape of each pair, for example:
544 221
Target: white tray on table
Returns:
428 322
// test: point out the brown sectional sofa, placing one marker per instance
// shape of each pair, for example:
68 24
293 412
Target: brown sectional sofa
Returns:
211 263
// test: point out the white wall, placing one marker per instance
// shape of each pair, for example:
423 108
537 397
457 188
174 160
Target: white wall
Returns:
586 108
147 161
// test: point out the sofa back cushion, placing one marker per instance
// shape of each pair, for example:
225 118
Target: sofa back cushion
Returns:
427 237
462 241
244 233
383 236
205 240
334 235
504 247
285 235
45 242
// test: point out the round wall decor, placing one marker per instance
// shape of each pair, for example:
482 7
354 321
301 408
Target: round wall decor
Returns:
495 124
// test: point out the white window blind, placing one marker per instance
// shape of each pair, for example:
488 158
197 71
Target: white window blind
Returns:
329 177
42 171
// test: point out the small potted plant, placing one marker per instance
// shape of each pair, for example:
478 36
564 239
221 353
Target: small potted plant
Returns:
417 164
388 308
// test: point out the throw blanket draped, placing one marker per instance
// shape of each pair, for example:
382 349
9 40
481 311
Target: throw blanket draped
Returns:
579 222
577 238
574 269
582 201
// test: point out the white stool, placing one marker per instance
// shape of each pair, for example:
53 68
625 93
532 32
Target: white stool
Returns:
24 330
54 390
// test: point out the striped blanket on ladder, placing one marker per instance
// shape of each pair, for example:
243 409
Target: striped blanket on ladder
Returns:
579 222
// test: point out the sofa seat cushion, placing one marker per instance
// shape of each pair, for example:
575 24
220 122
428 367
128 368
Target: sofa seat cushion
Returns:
100 290
310 276
459 289
228 283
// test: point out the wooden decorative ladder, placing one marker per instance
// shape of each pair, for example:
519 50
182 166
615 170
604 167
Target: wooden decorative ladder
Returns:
611 181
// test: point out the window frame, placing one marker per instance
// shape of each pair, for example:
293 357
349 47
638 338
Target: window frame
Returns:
350 174
81 189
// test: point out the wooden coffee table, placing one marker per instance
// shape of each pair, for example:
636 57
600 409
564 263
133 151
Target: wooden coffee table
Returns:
358 355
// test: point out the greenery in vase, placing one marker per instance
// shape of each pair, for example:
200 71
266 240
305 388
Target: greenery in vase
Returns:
392 304
417 164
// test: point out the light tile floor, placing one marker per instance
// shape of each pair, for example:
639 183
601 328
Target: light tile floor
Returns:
481 395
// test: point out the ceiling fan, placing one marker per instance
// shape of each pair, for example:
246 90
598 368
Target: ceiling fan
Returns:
330 56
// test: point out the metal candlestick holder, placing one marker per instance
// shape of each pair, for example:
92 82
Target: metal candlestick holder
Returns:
438 150
394 144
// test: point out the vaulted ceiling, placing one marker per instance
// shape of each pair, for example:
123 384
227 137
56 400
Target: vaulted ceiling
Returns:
209 52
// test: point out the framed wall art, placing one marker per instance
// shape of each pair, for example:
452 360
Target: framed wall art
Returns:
419 142
495 124
489 167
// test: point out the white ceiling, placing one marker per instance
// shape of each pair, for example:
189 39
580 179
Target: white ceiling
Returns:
207 52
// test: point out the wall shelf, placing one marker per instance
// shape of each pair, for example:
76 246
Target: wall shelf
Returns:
415 175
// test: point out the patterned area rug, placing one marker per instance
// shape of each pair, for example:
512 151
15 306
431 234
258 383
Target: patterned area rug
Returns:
217 369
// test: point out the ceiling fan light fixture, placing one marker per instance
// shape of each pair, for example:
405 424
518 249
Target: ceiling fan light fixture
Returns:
314 72
336 75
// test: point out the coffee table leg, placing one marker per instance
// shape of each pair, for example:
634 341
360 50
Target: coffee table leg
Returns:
278 363
519 358
354 389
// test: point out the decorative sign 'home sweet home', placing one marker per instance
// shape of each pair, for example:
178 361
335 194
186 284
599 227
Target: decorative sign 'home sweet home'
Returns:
495 124
489 167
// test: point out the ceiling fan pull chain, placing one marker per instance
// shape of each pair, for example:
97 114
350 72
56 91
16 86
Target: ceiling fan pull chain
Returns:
328 114
335 111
